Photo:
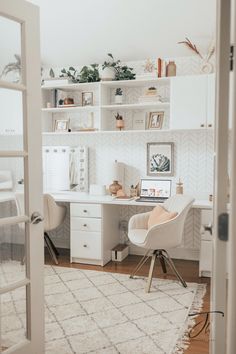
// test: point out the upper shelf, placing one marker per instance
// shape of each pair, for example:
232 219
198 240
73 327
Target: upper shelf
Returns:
137 82
73 87
96 85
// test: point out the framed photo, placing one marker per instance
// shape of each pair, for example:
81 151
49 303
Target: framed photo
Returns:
155 120
87 98
61 125
160 158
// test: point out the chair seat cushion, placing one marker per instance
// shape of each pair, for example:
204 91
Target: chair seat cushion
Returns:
159 215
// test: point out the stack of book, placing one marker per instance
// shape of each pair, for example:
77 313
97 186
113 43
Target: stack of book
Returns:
150 99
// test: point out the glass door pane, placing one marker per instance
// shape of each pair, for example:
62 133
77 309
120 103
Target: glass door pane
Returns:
10 49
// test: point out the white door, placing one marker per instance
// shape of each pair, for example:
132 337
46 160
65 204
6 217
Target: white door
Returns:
21 233
223 339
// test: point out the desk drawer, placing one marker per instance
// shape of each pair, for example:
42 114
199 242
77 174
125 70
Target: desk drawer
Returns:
86 224
86 210
86 245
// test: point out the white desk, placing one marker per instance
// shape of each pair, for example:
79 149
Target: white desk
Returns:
74 197
94 223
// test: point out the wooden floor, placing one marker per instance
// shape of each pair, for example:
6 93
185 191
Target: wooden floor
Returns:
188 269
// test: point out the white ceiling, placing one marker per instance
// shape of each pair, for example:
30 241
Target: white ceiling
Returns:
77 32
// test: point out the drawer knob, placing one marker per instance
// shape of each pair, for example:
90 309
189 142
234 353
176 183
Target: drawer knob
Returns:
85 211
84 246
202 125
209 125
85 225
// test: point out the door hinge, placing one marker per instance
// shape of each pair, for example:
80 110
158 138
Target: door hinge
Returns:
231 58
223 226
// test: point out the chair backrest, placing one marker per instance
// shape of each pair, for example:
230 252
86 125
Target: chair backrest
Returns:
53 213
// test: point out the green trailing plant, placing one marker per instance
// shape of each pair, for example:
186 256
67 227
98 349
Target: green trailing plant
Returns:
119 92
111 63
71 74
89 74
86 74
122 72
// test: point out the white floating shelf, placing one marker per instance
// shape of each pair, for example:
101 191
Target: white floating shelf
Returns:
137 82
136 106
72 87
70 109
124 132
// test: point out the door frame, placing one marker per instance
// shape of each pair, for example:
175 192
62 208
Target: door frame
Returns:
27 15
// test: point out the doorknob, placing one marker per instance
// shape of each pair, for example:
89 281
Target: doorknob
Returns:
36 218
208 228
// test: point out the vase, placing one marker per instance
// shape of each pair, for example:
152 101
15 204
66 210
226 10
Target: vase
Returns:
120 124
114 187
171 69
118 99
206 67
107 74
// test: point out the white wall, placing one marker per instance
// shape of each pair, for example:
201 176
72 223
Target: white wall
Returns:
78 32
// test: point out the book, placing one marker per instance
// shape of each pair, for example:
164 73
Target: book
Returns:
125 197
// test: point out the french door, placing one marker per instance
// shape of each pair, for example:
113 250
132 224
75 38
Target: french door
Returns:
21 229
223 335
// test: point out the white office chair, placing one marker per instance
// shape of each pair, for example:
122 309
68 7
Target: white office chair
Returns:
161 236
54 216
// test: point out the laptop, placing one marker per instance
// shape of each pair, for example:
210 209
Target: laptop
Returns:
154 190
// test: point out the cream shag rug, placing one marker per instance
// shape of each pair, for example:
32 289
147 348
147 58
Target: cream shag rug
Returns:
106 313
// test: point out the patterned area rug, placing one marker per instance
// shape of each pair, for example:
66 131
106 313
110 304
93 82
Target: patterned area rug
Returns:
107 313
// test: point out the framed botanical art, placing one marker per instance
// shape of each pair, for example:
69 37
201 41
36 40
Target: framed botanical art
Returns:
155 120
160 159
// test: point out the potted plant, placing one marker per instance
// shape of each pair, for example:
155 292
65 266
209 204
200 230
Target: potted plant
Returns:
118 96
86 74
123 72
119 121
108 71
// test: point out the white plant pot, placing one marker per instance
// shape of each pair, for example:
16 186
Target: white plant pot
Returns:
118 99
107 74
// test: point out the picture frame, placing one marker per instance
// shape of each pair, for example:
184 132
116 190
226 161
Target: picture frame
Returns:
87 98
61 125
155 120
160 159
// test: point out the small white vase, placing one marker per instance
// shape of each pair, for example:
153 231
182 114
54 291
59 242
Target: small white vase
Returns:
118 99
107 74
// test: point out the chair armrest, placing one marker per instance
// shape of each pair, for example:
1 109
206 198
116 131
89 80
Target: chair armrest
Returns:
139 221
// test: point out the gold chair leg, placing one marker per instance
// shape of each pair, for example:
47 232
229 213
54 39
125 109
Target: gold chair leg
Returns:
149 281
172 266
140 264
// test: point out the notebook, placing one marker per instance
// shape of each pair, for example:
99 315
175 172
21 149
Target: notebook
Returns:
154 190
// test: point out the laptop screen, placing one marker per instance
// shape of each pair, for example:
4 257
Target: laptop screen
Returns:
155 188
